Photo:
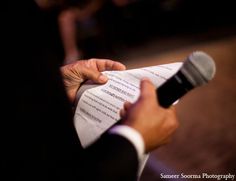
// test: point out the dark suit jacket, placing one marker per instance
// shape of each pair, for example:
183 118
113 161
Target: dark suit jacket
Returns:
38 139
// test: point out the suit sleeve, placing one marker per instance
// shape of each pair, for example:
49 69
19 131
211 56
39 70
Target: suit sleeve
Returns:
114 158
38 140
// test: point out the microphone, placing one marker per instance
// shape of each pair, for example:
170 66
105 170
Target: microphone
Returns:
197 69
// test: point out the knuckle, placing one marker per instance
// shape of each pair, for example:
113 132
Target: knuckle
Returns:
91 61
173 124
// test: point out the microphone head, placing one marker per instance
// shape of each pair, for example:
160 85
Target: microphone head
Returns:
199 68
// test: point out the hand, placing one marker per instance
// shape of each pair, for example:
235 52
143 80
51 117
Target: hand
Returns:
76 73
154 123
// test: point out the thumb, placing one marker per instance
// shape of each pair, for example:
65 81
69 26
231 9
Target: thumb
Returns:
148 90
95 76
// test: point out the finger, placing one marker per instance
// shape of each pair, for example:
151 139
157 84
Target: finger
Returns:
172 109
147 89
94 75
105 64
118 66
127 105
98 77
93 68
89 71
173 116
122 113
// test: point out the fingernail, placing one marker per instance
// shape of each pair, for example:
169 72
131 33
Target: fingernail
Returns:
103 78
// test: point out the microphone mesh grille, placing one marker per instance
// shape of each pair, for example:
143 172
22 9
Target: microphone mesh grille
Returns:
199 68
204 63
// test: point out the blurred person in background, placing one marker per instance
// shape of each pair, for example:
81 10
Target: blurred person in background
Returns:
38 138
72 20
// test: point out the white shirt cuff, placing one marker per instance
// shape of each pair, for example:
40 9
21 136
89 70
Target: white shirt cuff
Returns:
132 135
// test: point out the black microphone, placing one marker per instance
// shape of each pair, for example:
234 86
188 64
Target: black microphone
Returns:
197 70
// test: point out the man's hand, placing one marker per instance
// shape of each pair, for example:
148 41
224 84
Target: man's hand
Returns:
76 73
154 123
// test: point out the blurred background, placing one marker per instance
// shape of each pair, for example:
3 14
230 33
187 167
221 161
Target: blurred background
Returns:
111 27
151 32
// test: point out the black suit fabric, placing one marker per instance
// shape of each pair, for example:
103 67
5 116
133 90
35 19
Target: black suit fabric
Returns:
38 138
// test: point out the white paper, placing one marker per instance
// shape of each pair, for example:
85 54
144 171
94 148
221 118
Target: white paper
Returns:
99 106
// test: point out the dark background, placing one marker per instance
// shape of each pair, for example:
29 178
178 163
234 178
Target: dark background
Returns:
144 20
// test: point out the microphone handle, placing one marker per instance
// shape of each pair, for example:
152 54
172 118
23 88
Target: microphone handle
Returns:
173 89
